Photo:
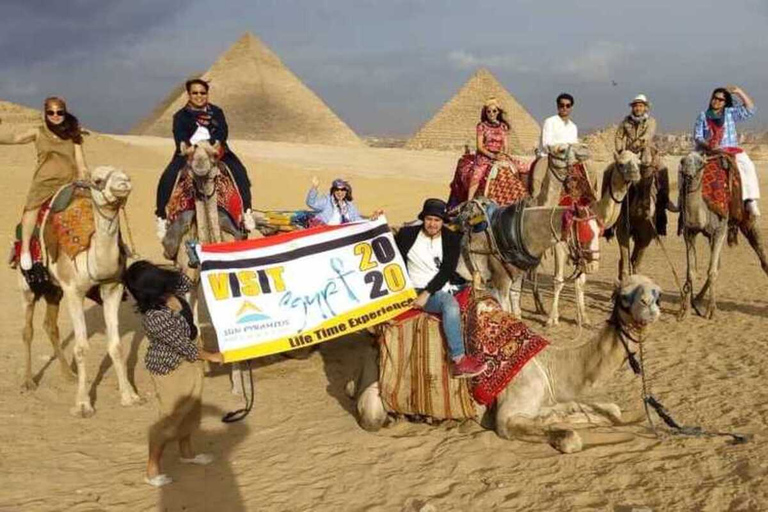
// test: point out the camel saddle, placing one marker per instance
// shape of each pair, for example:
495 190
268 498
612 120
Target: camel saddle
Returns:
507 230
507 184
721 187
576 183
70 224
414 369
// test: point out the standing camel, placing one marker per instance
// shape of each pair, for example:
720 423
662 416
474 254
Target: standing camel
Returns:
101 264
637 222
698 218
209 224
617 178
548 387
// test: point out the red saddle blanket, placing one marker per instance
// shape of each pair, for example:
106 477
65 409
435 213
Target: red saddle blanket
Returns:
509 184
35 248
227 196
576 187
721 187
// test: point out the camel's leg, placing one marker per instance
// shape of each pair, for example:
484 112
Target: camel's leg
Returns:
622 237
581 307
51 326
534 277
642 241
83 407
111 294
690 276
515 295
716 247
752 234
371 414
502 283
27 334
577 412
558 283
236 378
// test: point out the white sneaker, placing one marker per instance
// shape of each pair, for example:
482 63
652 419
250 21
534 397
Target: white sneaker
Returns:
248 223
25 261
161 226
752 208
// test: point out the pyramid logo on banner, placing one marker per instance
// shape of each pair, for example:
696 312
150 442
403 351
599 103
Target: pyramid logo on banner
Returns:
262 100
454 125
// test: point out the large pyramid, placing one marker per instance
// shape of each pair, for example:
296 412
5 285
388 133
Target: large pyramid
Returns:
262 100
454 125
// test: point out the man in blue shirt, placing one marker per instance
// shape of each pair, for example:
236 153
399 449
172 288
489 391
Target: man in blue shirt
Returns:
715 129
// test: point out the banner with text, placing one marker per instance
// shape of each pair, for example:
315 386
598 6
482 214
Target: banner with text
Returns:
297 289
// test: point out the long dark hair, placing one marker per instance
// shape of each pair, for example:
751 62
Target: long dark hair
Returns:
726 93
502 116
69 128
150 284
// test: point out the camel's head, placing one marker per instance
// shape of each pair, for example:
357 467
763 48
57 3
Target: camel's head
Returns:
628 164
111 185
203 158
638 302
691 166
567 155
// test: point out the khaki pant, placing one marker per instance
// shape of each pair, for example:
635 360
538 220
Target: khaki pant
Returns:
179 395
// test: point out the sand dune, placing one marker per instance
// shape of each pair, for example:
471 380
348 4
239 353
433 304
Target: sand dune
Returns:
301 449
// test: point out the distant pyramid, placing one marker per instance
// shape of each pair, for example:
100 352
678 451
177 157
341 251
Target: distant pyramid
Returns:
454 125
262 99
15 116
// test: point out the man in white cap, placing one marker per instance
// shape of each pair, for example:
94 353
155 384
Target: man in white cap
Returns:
636 131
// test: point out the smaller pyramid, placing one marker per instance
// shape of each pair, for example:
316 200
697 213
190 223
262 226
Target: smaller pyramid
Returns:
19 117
455 123
261 98
601 143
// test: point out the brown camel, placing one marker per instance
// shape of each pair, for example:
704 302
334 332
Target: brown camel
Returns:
101 264
698 219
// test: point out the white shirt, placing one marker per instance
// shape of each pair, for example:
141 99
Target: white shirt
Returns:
424 259
556 131
201 133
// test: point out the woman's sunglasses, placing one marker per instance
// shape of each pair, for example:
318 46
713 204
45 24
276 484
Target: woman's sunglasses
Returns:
492 110
55 112
336 188
717 98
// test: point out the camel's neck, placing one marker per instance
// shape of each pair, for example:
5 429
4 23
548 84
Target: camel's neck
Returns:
577 369
542 227
104 250
609 206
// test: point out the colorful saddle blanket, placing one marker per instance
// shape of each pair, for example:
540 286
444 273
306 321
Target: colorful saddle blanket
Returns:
227 196
414 370
721 187
577 189
70 229
509 184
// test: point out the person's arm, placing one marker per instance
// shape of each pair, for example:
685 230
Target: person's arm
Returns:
24 137
619 140
354 214
222 130
315 200
481 143
180 131
746 107
82 168
699 130
184 285
650 132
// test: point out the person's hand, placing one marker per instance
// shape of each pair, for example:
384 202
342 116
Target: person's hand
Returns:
211 357
376 214
732 88
315 182
421 300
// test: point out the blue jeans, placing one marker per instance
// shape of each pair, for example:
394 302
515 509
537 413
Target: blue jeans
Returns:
445 304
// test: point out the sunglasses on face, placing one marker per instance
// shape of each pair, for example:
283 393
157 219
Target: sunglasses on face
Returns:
337 189
564 105
54 112
198 93
492 110
717 98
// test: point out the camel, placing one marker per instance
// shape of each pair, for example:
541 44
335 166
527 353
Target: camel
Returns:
206 226
617 178
697 219
547 389
100 265
548 173
637 222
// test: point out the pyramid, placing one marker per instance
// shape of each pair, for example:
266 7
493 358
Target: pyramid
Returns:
262 100
454 124
18 117
601 143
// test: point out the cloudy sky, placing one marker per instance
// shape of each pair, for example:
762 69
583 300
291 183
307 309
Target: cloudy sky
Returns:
386 66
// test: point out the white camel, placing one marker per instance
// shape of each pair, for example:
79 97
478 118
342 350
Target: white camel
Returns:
100 265
546 391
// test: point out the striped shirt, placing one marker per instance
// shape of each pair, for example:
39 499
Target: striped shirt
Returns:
171 336
732 115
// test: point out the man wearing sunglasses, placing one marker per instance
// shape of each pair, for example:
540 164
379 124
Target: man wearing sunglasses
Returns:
715 130
431 252
559 129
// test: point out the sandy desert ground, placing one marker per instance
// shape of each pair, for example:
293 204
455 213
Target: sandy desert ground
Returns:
301 449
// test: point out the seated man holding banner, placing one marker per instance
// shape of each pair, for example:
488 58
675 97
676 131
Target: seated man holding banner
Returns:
431 253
